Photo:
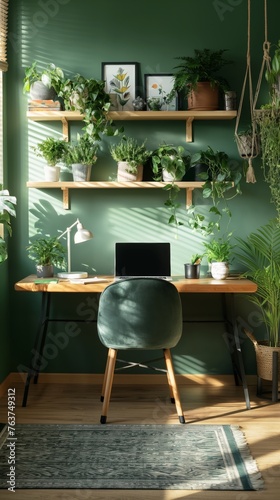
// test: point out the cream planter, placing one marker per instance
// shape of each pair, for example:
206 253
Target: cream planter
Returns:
51 173
219 270
125 176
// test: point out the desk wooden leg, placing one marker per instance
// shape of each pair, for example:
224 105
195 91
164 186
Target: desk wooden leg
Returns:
37 352
235 347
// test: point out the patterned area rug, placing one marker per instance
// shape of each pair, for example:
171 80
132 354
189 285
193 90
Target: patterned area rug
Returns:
210 457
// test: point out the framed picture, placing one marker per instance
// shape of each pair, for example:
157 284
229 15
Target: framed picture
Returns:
121 80
159 85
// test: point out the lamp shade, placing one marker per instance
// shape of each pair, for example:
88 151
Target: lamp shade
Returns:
82 234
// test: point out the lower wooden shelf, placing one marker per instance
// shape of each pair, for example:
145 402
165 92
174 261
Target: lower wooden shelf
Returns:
66 186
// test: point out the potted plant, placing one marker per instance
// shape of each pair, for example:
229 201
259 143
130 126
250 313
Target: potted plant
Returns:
218 252
222 178
80 156
260 255
131 158
192 269
88 96
268 123
47 252
248 143
199 78
272 76
52 150
45 84
7 210
169 163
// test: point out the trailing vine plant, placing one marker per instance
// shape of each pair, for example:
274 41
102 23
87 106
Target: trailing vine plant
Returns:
268 121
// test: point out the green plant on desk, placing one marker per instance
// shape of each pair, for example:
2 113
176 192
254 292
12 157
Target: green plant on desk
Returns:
47 251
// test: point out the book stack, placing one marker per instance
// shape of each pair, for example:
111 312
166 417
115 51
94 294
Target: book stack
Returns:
43 105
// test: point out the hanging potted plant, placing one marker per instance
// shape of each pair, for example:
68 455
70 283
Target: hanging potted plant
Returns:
131 158
260 255
80 156
52 150
268 122
198 77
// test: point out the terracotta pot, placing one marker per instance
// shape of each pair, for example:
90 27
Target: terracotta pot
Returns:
204 97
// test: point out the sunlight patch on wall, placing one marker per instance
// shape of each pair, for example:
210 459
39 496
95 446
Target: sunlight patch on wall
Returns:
150 224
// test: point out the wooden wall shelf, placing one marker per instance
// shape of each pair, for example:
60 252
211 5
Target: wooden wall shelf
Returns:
66 186
187 116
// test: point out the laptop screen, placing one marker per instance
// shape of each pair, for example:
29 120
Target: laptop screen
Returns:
142 259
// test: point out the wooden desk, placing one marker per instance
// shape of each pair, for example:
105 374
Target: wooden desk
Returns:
227 288
201 285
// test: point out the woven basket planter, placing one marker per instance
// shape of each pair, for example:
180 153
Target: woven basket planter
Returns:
264 355
244 145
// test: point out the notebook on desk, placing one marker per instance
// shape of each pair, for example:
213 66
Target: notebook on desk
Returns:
142 260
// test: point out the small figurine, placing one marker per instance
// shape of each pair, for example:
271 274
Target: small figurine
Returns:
138 104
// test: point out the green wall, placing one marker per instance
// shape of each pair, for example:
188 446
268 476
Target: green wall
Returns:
79 36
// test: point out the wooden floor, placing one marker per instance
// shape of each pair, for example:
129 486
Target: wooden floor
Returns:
58 403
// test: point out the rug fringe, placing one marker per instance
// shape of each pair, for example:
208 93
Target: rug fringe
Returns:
3 435
250 464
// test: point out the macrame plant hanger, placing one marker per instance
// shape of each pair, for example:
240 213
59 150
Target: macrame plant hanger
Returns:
250 150
266 58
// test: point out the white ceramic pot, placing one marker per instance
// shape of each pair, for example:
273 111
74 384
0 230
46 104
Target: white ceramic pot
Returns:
125 176
51 173
219 270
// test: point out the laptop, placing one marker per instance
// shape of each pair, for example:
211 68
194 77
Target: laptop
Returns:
142 260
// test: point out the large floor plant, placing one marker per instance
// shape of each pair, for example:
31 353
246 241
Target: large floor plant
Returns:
260 254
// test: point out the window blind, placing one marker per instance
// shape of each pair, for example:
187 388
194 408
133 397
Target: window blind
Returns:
3 34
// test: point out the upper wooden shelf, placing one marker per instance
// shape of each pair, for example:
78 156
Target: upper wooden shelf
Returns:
188 116
65 186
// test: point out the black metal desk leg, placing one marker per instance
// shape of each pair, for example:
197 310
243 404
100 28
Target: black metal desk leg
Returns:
235 347
38 345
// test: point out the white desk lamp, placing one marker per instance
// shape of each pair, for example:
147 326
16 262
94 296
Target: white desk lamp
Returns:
79 237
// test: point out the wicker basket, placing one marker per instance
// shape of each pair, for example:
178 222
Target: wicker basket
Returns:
264 355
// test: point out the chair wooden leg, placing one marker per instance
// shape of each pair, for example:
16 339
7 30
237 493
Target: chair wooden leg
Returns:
112 356
172 381
170 389
104 378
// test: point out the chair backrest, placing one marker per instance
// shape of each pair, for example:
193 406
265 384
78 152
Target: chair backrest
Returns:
140 313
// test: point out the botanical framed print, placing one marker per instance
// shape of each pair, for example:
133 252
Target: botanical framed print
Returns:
121 80
157 90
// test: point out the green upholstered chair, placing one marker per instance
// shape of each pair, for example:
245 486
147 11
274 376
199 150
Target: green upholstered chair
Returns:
139 314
